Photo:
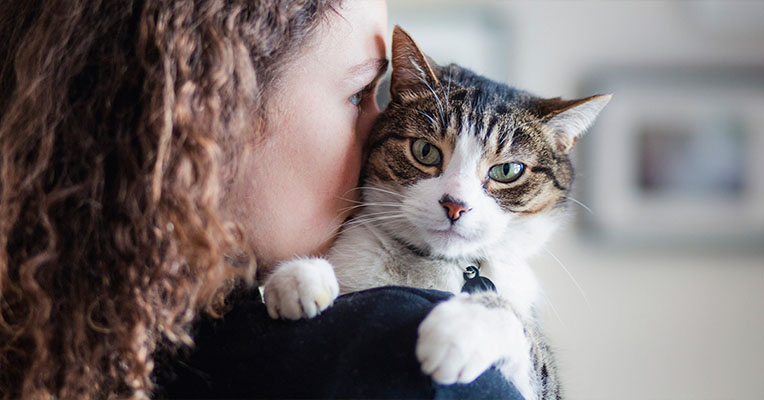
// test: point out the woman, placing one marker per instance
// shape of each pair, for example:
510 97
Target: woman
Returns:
151 155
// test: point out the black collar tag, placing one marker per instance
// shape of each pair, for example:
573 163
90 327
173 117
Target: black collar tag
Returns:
476 283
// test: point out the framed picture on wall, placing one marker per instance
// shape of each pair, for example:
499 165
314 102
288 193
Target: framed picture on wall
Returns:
677 159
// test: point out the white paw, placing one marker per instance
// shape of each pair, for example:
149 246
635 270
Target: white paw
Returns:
300 288
460 339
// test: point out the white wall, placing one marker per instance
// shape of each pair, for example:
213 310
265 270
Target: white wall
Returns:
655 326
681 324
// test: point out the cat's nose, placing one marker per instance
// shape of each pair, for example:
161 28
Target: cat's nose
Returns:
454 208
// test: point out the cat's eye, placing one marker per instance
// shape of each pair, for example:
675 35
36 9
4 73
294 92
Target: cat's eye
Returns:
507 172
425 153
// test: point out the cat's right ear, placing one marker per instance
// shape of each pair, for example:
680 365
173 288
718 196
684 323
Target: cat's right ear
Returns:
569 119
411 68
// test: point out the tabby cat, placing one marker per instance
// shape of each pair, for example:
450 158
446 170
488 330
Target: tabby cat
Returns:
461 172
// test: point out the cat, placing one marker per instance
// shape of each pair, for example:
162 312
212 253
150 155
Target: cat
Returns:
461 172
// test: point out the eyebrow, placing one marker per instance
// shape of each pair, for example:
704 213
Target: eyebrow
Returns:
376 65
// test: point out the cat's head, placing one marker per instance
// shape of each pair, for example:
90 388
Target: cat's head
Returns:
459 165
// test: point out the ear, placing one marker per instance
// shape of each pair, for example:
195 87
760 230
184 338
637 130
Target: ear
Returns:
411 68
569 119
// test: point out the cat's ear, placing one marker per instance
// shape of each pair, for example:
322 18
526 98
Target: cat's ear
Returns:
411 68
569 119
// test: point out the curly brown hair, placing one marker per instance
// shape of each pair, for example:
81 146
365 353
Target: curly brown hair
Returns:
120 125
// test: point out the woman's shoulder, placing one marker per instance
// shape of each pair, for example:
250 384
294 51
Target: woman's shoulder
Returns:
363 346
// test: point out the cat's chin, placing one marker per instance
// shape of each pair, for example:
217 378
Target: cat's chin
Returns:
448 235
451 244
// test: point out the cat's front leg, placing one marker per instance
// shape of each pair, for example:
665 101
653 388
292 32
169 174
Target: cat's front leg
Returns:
464 336
300 288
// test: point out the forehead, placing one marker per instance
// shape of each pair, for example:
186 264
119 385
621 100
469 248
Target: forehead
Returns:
499 125
322 73
348 36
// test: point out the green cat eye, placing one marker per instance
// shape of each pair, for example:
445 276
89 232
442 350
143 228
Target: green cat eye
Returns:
425 153
507 172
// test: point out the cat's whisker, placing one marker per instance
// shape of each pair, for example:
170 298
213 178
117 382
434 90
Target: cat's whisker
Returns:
368 215
350 211
351 228
383 204
375 217
429 117
512 133
353 223
395 225
340 218
580 204
349 200
554 309
346 193
362 205
366 220
575 282
448 94
381 190
359 204
366 188
389 212
330 236
448 90
437 99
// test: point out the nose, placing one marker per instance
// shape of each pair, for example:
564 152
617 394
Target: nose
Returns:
454 208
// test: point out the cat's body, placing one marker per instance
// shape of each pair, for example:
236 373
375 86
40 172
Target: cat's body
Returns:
461 171
368 257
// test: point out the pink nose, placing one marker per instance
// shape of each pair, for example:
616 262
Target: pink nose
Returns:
454 208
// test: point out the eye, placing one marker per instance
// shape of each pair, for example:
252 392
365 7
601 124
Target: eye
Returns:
425 153
507 172
356 98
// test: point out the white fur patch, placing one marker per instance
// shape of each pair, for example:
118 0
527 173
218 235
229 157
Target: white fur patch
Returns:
460 339
300 288
430 228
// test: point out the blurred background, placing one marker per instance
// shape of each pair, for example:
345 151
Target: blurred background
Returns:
655 287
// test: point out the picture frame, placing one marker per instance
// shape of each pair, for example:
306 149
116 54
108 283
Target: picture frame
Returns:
676 159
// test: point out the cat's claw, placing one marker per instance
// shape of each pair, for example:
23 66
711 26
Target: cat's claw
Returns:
300 288
460 339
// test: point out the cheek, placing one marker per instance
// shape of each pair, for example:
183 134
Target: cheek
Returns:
321 175
324 153
288 195
336 159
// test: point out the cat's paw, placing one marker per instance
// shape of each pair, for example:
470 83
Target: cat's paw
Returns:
460 339
300 288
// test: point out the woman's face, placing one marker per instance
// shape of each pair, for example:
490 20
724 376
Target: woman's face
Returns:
295 187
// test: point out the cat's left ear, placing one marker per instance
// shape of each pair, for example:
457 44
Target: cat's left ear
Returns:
412 69
569 119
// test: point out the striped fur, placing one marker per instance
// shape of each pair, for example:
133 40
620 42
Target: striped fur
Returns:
402 237
508 122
